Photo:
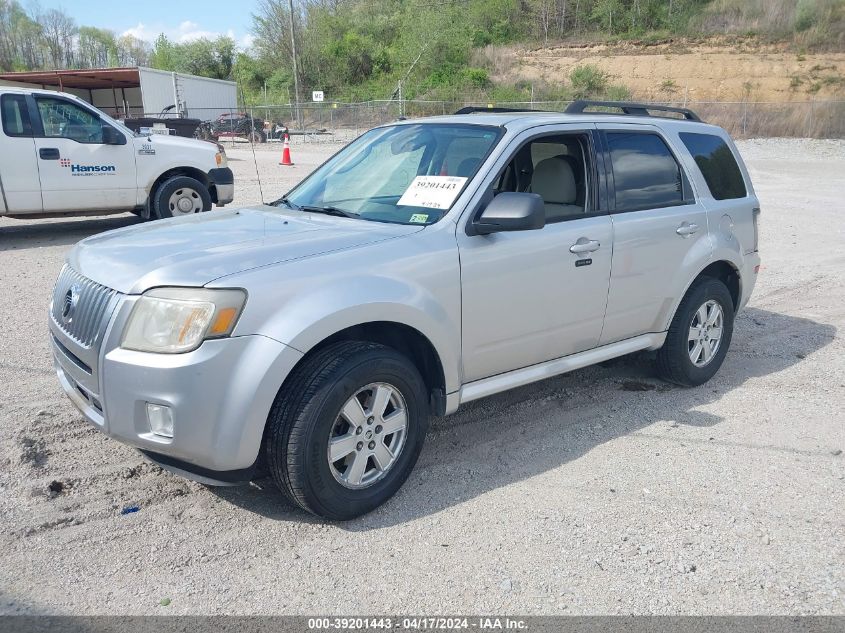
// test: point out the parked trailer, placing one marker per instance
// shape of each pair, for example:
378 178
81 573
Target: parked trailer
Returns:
130 94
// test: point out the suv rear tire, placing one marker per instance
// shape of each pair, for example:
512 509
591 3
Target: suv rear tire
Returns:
180 195
335 442
699 335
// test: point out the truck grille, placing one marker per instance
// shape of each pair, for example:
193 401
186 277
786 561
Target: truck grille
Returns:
80 306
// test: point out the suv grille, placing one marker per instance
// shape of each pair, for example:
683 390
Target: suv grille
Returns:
80 306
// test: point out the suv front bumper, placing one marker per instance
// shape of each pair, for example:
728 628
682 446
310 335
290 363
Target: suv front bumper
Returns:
219 396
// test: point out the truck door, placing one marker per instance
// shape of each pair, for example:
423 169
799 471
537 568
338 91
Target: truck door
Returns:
86 164
20 188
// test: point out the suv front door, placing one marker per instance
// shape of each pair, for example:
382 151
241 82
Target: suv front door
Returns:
79 171
660 233
526 296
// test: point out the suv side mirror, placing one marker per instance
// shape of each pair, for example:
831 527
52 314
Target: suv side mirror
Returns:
112 136
511 212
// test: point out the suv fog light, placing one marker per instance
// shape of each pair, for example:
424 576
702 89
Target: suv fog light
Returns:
160 418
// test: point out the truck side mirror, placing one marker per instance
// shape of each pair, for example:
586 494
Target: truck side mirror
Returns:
510 211
112 136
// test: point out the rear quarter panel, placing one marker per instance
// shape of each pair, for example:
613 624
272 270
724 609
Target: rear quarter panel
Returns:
730 222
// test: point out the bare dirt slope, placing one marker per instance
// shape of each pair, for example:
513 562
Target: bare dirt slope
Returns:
600 491
713 69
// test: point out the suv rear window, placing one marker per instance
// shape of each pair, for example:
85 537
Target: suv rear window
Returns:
645 173
717 164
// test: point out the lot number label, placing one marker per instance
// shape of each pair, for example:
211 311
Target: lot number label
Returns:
433 192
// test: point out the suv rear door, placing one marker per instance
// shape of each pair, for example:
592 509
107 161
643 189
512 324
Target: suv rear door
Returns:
21 186
660 233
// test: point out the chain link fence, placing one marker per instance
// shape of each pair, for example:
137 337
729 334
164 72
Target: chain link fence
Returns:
342 122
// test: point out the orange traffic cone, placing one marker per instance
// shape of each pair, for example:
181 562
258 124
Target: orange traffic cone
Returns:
286 153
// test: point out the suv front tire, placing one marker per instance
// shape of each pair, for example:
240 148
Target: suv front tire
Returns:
346 429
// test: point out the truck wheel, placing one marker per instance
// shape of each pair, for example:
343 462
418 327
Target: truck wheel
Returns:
346 429
181 195
699 336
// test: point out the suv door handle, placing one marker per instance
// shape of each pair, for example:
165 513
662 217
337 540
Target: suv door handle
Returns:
49 153
686 229
583 245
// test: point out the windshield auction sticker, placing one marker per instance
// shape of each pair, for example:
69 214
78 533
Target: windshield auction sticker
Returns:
433 192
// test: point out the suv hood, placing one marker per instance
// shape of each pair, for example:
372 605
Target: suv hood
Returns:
196 250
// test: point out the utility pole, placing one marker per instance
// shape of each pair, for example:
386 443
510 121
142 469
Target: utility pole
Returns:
401 101
295 72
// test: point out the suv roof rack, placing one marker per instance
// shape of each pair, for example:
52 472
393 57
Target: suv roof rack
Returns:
475 109
629 108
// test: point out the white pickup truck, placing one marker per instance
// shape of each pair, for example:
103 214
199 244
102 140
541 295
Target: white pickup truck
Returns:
60 156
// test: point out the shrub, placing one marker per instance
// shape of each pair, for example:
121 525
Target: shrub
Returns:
477 77
805 15
618 92
588 81
669 86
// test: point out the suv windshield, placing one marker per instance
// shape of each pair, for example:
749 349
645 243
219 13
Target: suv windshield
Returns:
407 174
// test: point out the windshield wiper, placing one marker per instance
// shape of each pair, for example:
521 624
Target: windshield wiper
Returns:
284 200
328 210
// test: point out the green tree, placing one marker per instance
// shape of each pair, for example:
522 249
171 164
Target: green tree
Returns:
97 47
609 15
204 57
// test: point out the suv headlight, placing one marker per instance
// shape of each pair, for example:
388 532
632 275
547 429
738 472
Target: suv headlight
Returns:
177 320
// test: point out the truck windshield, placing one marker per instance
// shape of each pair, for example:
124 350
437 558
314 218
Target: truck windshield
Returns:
406 174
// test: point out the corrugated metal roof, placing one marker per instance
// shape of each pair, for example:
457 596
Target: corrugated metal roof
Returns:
90 78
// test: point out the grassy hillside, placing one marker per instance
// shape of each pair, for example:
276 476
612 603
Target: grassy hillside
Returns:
493 50
473 49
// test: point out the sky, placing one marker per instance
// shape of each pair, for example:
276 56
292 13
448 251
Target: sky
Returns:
180 20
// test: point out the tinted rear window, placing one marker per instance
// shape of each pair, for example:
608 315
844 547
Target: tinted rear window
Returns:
645 172
717 164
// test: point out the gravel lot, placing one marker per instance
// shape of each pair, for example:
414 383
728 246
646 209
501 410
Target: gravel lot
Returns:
601 491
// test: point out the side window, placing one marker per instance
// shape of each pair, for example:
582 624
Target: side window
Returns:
717 164
558 169
15 115
645 173
62 119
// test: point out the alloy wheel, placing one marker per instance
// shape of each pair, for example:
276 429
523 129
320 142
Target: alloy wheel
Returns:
705 333
368 436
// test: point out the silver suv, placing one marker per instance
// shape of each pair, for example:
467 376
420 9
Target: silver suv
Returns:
427 264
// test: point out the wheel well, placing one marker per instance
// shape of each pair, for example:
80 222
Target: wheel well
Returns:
405 340
728 275
191 172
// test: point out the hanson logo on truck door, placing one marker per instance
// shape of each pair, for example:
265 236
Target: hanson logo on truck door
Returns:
88 170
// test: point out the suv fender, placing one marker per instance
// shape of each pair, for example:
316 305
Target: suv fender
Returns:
308 320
